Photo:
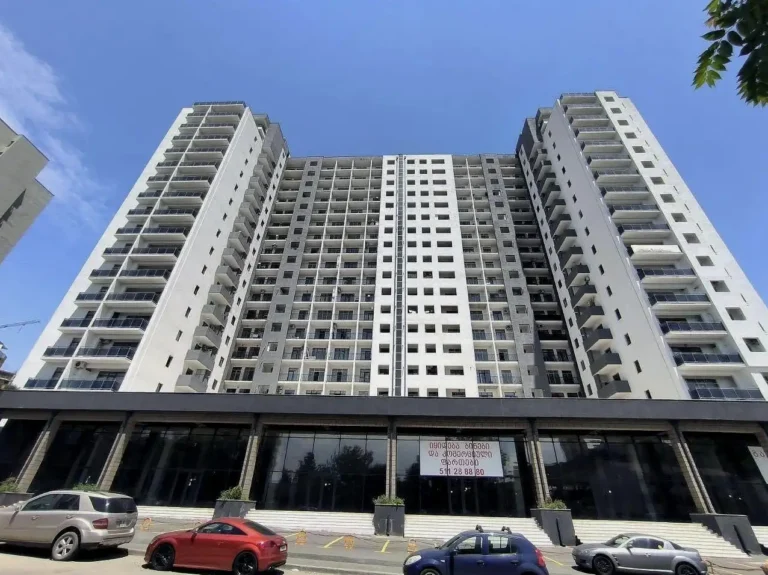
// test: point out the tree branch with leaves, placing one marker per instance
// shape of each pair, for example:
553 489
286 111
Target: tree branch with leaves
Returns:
742 25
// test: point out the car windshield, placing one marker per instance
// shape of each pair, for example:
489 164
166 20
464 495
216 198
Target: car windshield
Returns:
113 505
260 528
450 542
617 541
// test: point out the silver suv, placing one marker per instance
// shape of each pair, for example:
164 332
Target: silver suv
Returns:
67 521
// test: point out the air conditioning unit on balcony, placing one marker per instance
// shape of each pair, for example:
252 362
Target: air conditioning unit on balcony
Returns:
81 365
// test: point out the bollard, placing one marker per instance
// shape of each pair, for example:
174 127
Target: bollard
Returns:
146 524
301 538
411 546
349 542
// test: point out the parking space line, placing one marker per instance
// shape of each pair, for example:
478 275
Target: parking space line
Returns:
729 571
554 561
384 549
327 545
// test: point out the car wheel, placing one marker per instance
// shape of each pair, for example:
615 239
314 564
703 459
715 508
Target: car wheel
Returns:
245 564
686 569
162 558
65 546
429 572
602 565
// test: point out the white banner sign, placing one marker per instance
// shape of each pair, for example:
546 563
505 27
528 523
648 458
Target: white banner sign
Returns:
460 458
761 459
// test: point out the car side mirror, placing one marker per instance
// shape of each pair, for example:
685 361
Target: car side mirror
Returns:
629 545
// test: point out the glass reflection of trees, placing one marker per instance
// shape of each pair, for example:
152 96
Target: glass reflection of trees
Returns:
320 471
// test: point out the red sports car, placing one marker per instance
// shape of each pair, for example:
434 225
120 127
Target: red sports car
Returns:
228 544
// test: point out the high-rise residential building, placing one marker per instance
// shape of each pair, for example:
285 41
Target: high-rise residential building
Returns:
262 286
582 266
22 197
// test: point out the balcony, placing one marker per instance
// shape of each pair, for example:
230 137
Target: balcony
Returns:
707 363
146 277
156 255
199 359
594 133
571 100
607 363
119 326
589 316
185 197
554 211
692 331
103 352
138 214
665 277
577 274
59 352
207 336
149 197
608 160
226 276
587 120
597 339
158 182
679 301
134 300
570 257
612 387
233 258
102 276
127 232
726 394
565 240
176 233
643 232
583 295
222 295
41 384
194 383
74 325
654 254
602 145
605 176
89 299
560 224
213 315
239 241
629 212
175 216
624 193
115 254
198 182
91 384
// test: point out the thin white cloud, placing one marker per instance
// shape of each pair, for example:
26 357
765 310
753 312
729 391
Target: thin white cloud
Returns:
32 103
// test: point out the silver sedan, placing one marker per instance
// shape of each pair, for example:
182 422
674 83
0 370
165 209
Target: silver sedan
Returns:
635 552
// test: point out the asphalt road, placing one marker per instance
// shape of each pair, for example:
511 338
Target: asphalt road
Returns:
320 553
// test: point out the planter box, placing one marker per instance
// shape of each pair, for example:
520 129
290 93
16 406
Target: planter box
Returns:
8 499
735 529
389 520
557 524
232 508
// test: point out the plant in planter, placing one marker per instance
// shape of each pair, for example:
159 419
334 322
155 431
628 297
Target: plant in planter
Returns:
231 503
556 504
86 487
555 519
9 485
389 515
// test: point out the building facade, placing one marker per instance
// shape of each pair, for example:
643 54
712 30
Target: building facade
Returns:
344 301
22 197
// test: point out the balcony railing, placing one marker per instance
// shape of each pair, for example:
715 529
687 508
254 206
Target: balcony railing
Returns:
665 272
117 251
86 296
156 251
727 394
134 296
126 352
681 358
41 384
641 227
129 230
126 323
504 379
59 352
92 384
167 230
677 298
185 193
667 326
145 273
76 322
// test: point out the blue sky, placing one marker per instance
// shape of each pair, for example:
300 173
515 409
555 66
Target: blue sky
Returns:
95 84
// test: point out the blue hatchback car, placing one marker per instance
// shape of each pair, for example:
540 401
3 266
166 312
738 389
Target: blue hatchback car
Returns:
479 553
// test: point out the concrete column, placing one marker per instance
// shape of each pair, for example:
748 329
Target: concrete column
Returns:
539 474
688 467
115 456
249 462
38 452
391 474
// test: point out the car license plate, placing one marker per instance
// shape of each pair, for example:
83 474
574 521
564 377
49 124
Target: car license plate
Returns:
123 523
283 548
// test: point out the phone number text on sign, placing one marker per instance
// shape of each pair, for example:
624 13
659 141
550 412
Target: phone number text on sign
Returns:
460 458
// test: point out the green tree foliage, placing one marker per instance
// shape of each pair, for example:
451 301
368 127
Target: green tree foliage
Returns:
737 25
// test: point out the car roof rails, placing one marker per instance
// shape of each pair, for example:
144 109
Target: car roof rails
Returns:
505 529
479 528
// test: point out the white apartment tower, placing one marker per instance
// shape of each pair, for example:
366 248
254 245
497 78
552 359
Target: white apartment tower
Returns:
22 197
582 266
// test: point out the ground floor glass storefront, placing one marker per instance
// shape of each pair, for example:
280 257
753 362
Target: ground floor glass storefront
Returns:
17 438
184 465
730 473
77 454
616 476
320 470
511 495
